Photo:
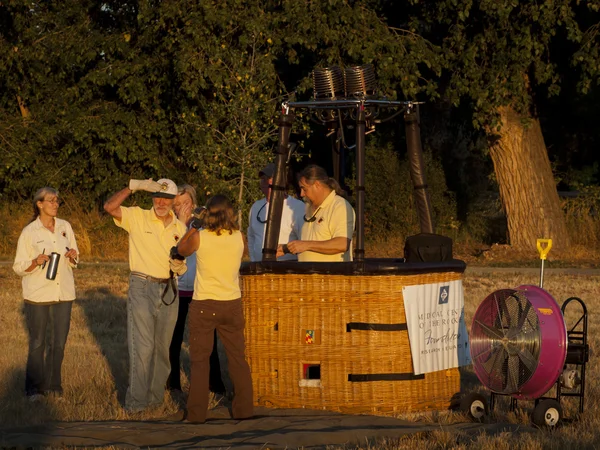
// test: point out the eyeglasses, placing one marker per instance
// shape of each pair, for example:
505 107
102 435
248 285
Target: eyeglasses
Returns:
53 201
313 217
258 214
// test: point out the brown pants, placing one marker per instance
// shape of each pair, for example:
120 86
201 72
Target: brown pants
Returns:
227 317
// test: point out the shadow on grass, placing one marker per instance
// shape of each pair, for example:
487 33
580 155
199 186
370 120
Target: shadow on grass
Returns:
106 316
16 409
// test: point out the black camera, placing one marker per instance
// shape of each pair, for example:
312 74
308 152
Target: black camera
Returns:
174 254
197 221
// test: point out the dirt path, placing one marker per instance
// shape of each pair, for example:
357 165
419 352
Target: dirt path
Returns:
271 428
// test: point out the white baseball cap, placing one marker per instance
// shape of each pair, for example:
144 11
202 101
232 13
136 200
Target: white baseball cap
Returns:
168 189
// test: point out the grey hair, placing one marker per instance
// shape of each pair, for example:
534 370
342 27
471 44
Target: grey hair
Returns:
312 173
188 189
39 197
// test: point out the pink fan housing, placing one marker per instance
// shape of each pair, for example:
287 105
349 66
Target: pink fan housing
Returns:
553 346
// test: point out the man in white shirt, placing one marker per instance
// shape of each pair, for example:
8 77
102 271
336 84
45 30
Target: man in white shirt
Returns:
291 218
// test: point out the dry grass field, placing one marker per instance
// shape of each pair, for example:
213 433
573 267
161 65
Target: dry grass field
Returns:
96 361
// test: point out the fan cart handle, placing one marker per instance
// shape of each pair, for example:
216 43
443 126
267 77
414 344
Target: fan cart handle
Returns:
543 247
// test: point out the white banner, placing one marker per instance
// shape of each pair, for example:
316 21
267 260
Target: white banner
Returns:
436 326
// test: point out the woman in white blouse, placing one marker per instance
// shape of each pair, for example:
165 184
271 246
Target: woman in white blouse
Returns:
46 300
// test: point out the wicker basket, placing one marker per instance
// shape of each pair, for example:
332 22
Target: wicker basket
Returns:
303 353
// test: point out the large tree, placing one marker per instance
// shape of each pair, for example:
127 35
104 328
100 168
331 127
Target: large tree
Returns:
497 56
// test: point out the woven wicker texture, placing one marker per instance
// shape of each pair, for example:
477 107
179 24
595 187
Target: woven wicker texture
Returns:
285 313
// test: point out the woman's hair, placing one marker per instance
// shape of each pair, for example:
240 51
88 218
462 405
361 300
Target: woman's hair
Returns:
312 173
219 215
38 197
189 190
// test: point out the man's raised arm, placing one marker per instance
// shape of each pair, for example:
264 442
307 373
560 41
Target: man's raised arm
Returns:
113 204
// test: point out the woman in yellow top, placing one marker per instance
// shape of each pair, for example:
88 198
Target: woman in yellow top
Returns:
46 300
216 304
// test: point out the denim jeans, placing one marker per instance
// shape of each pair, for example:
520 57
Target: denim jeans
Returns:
44 374
150 324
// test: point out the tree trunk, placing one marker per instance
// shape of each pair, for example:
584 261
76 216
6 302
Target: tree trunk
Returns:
527 187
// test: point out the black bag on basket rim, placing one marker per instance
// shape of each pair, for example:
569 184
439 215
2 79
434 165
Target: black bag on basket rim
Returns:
427 247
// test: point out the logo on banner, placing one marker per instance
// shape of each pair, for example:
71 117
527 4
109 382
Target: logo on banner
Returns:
436 326
444 294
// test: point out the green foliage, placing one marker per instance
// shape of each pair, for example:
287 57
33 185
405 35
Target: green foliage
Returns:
582 216
582 179
390 206
493 53
111 91
95 92
513 47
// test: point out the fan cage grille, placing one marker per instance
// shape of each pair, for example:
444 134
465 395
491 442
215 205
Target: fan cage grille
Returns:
505 341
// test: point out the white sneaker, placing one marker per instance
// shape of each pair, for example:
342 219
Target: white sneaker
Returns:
35 398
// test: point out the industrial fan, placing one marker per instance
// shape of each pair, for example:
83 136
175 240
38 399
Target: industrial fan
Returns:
519 347
519 342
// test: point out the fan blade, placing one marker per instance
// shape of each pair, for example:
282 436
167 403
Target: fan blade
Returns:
526 357
489 331
512 385
491 364
505 313
496 376
518 301
499 316
524 314
480 354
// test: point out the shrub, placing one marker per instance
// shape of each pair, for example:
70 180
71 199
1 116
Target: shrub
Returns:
390 205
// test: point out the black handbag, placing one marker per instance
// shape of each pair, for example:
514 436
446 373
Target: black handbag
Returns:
427 247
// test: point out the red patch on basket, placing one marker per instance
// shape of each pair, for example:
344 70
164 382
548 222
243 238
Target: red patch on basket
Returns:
309 338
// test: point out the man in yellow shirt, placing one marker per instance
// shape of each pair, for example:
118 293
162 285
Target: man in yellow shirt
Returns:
328 222
152 300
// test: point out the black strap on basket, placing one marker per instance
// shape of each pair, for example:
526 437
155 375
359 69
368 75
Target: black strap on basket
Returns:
363 377
375 326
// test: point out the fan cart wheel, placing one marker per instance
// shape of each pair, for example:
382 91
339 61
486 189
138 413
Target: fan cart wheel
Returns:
474 405
547 413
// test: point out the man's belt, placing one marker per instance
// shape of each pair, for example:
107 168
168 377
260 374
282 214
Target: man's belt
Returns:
149 278
169 282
